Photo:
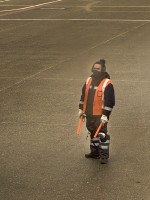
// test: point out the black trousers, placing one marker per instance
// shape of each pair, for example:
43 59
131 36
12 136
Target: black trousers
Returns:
98 146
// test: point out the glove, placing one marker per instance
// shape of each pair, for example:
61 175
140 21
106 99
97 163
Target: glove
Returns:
104 119
80 113
102 135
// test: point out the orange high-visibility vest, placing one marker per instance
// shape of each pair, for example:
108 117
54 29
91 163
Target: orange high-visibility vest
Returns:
98 103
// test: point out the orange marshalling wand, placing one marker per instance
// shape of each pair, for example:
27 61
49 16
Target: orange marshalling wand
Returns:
100 126
79 125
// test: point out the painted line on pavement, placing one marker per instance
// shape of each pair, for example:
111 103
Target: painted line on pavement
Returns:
1 5
13 11
52 8
4 1
90 5
28 7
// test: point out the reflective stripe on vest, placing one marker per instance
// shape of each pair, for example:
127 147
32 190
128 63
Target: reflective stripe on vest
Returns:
98 103
88 83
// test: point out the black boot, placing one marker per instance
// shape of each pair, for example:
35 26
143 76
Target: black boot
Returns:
90 155
104 160
94 147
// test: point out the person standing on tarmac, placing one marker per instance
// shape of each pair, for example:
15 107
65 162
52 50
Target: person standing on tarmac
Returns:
96 104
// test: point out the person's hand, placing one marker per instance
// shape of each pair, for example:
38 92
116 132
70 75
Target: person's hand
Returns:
102 135
104 119
80 113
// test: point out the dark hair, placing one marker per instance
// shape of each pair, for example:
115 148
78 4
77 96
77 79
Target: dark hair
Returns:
102 63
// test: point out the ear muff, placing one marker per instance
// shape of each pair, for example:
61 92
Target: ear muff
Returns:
92 69
104 68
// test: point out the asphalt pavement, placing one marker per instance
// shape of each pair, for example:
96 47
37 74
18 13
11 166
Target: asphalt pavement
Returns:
47 49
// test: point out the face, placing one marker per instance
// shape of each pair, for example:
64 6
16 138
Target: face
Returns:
97 67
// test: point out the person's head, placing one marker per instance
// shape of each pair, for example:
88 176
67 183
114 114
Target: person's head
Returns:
99 67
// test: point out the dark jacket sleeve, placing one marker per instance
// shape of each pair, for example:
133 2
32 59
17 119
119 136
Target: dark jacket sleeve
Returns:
109 100
82 97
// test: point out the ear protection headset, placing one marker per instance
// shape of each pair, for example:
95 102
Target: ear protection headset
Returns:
100 62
